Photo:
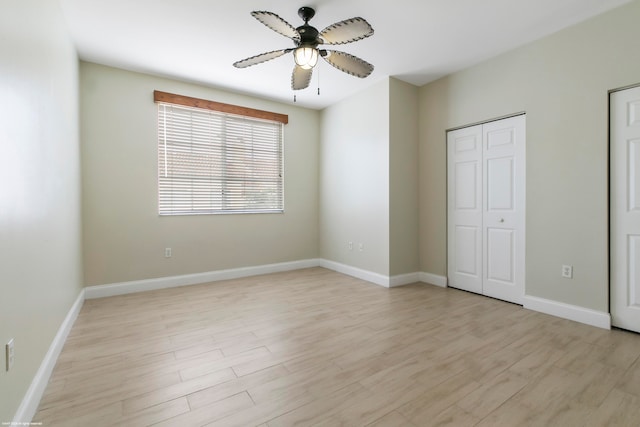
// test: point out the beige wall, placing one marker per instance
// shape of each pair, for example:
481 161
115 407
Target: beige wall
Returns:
40 257
354 180
403 178
561 82
124 237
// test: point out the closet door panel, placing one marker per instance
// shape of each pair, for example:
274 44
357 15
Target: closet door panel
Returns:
464 231
503 209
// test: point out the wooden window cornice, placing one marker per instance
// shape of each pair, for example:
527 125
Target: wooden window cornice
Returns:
188 101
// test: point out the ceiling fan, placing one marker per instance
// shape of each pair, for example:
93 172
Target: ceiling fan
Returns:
307 39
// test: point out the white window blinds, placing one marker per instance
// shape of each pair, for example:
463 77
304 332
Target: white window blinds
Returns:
213 162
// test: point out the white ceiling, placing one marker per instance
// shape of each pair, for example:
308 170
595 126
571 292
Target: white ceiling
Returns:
416 41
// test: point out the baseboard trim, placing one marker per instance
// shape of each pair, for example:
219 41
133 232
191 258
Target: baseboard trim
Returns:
369 276
122 288
31 399
434 279
403 279
567 311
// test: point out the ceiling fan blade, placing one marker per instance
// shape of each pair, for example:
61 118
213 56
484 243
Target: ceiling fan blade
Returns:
300 78
276 23
347 31
258 59
347 63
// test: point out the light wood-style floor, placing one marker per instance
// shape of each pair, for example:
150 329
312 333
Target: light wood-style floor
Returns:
314 347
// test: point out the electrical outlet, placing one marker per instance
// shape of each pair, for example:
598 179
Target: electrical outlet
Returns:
567 271
361 247
10 354
167 252
350 246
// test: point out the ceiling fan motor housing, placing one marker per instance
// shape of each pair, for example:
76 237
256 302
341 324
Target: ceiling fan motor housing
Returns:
308 34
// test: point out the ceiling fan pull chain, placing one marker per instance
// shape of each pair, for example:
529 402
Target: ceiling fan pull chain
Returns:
318 80
294 97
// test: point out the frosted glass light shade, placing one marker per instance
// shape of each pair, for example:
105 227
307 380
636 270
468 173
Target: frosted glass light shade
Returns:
306 57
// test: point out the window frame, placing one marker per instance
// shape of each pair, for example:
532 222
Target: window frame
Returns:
224 112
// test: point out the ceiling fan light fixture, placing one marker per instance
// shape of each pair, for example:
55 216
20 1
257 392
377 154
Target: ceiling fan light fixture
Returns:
306 57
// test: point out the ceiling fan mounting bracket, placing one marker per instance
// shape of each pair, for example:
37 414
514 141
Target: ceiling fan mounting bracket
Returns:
306 13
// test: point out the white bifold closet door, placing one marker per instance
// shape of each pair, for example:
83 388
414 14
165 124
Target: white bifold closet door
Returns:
486 208
625 208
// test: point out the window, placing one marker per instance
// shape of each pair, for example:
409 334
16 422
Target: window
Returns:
218 158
